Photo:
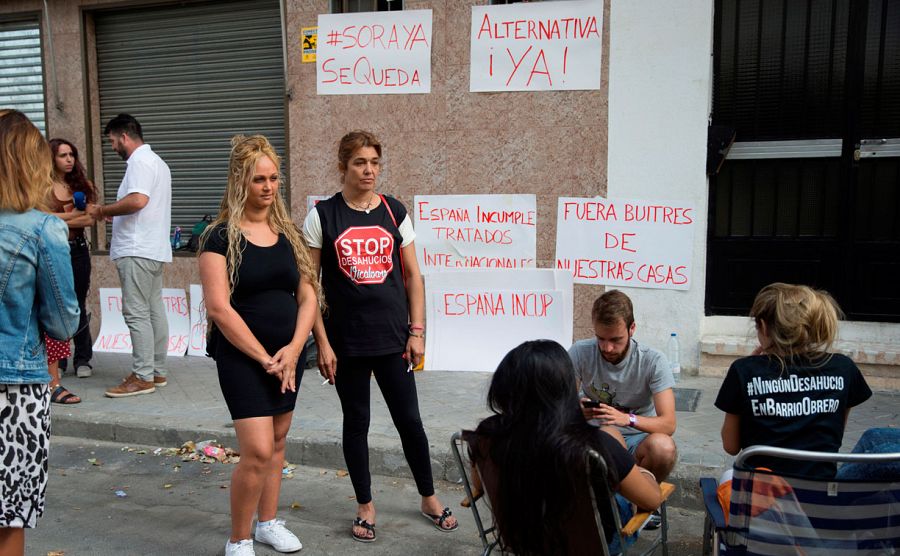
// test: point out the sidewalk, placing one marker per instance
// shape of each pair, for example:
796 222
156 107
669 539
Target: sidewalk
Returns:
191 407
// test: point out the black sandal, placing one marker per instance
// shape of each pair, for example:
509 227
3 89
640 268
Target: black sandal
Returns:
62 396
438 521
369 527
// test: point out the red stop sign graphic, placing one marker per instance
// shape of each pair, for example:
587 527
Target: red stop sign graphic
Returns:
365 254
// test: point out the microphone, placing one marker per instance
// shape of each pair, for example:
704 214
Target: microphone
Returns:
79 200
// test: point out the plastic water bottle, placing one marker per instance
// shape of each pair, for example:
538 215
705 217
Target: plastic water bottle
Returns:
674 357
176 238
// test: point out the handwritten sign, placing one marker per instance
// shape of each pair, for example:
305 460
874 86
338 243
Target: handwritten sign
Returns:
308 40
475 231
374 53
540 46
197 344
114 336
637 243
507 306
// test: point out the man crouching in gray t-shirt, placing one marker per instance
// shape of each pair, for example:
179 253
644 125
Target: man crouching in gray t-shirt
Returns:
632 383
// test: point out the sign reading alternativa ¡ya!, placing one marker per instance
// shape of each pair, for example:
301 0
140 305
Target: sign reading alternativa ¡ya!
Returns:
540 46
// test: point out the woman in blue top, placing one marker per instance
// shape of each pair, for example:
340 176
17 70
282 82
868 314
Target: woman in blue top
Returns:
37 294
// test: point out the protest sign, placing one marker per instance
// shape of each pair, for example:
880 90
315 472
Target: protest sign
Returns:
636 243
509 307
538 46
198 322
374 53
475 231
114 336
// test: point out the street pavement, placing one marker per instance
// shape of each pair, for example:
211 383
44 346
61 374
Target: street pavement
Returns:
191 407
107 499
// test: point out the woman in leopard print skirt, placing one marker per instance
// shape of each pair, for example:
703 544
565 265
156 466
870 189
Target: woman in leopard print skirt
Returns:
37 295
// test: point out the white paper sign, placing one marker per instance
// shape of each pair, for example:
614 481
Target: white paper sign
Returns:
198 322
114 336
374 53
620 242
540 46
475 317
475 231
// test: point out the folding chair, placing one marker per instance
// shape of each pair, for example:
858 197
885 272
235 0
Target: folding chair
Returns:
587 530
772 514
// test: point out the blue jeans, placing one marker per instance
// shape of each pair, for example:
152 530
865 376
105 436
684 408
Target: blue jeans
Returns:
874 441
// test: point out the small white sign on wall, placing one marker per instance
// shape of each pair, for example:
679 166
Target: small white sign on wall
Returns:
374 53
475 231
626 242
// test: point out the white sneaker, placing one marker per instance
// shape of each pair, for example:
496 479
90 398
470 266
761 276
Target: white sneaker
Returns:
84 371
274 533
243 547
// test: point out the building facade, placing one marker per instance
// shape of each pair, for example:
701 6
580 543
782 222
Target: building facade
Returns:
197 72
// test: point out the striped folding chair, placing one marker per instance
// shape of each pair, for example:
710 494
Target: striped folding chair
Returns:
775 515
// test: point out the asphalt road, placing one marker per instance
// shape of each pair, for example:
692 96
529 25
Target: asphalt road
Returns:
175 507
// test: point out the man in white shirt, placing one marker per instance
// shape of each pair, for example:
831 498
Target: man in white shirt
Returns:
140 246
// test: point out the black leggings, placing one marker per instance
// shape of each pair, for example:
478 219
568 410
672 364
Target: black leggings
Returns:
398 386
81 270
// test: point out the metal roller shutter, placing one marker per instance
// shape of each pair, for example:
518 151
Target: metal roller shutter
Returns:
194 75
21 75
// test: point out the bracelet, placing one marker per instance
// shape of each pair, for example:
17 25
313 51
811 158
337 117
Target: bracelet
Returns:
647 472
416 327
414 335
100 210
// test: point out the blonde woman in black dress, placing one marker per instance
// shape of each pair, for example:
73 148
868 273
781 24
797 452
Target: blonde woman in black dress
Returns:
260 290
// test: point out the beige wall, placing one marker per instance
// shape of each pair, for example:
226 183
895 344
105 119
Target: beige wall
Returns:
449 141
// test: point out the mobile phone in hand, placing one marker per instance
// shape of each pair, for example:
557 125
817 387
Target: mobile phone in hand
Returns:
590 403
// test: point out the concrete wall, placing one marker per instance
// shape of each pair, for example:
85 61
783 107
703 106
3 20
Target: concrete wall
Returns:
659 102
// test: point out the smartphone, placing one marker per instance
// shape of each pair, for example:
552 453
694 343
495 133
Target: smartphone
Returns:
590 403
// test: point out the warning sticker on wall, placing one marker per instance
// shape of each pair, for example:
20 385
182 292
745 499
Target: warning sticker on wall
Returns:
309 37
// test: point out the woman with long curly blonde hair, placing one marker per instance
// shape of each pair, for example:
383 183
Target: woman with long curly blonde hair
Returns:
261 295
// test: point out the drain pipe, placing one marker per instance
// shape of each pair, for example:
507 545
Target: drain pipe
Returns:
52 58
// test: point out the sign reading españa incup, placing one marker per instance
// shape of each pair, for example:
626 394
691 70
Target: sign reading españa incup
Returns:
475 317
626 242
540 46
114 336
475 231
374 53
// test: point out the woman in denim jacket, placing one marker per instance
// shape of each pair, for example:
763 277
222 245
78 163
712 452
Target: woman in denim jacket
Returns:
36 295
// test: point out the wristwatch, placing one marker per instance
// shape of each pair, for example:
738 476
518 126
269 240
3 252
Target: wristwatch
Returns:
632 419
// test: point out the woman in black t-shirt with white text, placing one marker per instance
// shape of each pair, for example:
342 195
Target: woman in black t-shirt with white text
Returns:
792 392
374 320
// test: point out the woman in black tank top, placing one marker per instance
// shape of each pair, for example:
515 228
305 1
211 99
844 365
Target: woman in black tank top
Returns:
374 321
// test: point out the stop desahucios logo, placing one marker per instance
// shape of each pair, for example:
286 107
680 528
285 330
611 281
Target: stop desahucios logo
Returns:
365 254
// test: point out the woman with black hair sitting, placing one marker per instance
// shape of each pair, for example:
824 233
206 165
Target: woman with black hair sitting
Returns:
536 441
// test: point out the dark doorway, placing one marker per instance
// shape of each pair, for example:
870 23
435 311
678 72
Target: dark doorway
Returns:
810 192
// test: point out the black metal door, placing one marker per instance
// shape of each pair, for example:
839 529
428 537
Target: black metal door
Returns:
810 192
